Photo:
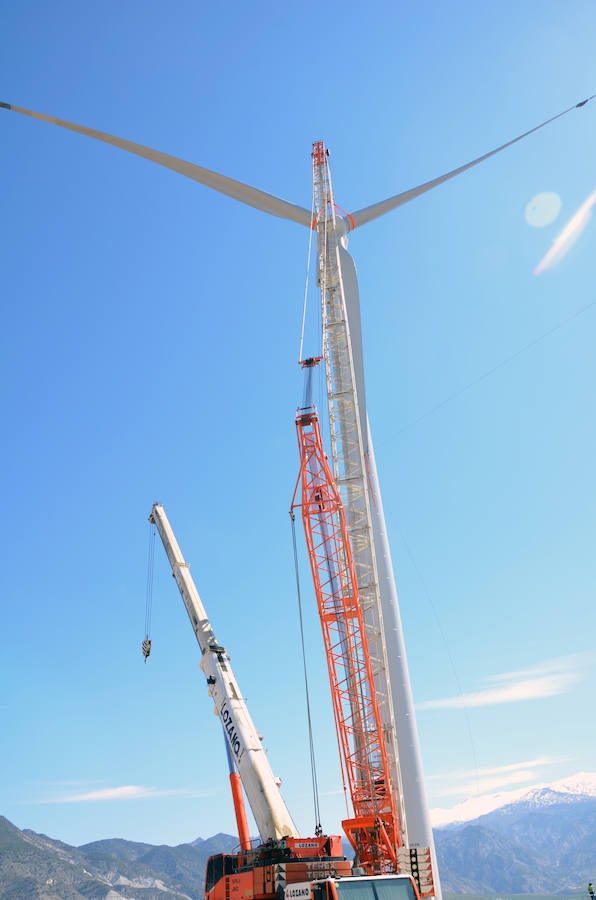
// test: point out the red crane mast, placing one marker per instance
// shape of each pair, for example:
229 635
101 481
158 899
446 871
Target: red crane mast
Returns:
373 830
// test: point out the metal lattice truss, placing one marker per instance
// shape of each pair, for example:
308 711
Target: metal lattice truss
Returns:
374 829
347 445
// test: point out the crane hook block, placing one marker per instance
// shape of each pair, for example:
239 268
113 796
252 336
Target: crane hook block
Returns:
146 648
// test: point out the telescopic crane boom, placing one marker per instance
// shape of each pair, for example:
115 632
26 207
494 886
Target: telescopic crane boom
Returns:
260 784
283 864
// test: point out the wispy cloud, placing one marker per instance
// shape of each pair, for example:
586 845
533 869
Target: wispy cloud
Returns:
467 782
565 240
123 792
545 680
480 804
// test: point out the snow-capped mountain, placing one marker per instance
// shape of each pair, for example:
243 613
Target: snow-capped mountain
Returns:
582 783
542 842
569 789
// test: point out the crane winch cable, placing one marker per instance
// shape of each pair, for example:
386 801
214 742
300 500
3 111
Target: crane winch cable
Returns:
313 766
146 645
307 278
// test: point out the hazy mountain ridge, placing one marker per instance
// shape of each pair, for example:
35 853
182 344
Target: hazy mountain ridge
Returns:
33 865
41 868
544 843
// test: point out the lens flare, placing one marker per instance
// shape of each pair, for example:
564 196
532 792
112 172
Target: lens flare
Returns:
543 209
565 240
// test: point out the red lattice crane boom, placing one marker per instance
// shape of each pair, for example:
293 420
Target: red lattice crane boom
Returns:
374 829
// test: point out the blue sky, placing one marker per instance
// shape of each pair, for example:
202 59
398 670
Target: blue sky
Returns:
151 332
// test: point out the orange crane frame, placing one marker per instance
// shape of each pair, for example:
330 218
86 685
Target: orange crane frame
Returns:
373 831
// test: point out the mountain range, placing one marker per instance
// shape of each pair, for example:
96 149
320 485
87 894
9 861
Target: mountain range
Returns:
542 843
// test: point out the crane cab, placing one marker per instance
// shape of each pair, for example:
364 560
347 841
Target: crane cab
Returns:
371 887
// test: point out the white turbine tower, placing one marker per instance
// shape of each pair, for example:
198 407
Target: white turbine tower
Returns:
351 442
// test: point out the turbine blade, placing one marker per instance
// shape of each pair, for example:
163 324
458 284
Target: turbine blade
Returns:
384 206
251 196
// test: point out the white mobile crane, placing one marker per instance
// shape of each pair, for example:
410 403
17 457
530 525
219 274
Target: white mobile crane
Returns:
262 788
282 861
283 865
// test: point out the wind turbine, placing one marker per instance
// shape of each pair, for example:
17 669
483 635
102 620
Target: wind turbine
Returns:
351 441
